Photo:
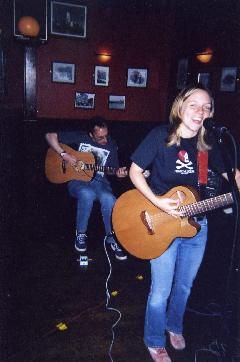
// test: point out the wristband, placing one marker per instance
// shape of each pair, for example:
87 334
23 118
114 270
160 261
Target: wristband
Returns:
63 153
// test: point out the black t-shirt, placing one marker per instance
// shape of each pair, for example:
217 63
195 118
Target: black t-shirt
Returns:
105 155
172 165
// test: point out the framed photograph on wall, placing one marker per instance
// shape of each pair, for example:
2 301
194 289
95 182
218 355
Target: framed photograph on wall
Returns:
84 100
63 72
182 73
68 19
137 77
101 75
116 102
204 79
228 79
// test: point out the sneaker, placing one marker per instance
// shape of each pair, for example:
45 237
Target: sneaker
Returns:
177 341
80 242
159 354
119 254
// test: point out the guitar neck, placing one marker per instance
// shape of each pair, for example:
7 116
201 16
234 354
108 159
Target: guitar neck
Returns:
207 205
105 169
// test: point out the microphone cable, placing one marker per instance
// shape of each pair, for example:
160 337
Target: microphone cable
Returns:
108 298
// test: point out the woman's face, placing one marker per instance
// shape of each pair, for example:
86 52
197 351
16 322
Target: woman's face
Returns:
194 110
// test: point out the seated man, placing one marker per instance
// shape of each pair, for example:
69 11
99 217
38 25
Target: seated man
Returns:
99 189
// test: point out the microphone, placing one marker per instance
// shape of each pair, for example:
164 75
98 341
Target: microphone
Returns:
210 125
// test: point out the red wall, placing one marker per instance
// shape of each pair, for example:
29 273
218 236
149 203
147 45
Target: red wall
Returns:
136 39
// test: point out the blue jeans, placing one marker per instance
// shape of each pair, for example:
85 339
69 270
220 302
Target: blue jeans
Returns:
86 193
172 275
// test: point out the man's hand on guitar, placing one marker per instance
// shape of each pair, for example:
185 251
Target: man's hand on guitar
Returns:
69 158
122 172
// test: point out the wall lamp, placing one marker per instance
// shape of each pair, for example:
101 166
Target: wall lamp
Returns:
205 56
104 57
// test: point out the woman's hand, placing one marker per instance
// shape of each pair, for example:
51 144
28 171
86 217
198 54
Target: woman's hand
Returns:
168 205
122 172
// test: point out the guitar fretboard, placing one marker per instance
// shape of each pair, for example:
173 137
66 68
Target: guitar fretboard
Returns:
207 205
108 170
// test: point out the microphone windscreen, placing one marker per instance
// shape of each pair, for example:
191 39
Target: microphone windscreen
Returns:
208 123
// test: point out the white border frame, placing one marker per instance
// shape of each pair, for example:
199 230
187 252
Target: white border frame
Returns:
228 79
75 15
86 100
104 80
63 72
137 77
116 102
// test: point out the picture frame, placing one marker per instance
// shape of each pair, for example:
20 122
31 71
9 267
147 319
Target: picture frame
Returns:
63 72
84 100
228 79
101 75
137 77
68 19
204 79
182 73
116 102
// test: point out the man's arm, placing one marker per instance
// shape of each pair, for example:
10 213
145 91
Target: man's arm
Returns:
52 140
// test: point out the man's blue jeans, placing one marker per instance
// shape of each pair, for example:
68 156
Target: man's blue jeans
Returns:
172 275
86 193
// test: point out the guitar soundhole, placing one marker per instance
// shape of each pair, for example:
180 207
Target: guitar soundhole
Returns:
147 221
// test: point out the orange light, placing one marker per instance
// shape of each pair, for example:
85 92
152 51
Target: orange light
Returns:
28 26
205 56
104 58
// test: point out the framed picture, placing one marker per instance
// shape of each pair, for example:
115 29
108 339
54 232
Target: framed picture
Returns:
137 77
228 79
84 100
68 19
204 79
182 73
63 72
101 75
116 102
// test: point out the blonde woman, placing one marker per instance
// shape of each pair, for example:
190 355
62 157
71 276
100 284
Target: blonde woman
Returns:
172 150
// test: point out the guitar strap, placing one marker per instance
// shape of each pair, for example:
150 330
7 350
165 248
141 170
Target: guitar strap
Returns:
202 162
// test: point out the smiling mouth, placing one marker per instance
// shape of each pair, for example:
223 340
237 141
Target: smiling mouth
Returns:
198 121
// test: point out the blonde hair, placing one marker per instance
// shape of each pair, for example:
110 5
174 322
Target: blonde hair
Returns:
176 120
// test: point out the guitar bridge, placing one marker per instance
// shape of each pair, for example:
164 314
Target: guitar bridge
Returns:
147 221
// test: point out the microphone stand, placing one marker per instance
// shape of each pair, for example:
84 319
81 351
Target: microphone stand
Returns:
233 345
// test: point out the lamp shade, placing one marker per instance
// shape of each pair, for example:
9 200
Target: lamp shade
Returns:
28 26
205 56
104 58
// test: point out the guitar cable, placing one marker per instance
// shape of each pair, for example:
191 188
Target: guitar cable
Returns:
108 298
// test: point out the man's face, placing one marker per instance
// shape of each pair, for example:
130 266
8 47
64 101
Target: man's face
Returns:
99 135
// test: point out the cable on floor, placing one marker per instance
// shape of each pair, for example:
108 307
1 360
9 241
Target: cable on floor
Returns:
108 297
216 349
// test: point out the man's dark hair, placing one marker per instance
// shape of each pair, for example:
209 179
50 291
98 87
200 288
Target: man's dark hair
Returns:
96 122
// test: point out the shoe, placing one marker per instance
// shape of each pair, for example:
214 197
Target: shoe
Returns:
119 254
177 341
159 354
80 242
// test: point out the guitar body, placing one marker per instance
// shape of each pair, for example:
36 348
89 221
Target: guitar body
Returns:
58 171
131 230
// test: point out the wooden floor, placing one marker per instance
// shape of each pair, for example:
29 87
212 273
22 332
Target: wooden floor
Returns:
59 310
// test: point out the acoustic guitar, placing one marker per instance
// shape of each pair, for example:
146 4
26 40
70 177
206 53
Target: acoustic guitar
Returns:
59 171
146 232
